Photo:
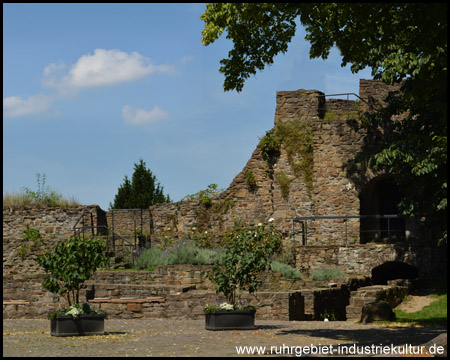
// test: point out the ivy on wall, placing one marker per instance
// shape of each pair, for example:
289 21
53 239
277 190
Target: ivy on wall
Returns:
296 137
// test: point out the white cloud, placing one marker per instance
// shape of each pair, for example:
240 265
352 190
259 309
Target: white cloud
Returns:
15 106
104 67
186 59
140 117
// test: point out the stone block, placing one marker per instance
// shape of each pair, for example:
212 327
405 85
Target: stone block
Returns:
377 311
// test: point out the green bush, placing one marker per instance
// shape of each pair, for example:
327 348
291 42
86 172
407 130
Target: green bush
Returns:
286 270
247 252
70 264
149 259
205 196
250 179
327 274
179 253
208 257
270 145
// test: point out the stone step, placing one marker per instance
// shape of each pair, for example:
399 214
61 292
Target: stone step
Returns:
128 300
361 301
358 299
105 290
353 312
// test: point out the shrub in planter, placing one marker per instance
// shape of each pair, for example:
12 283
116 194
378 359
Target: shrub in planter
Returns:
247 252
69 265
76 320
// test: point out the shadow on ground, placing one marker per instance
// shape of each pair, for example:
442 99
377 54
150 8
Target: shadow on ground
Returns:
390 335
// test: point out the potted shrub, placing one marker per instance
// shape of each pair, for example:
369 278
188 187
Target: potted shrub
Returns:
247 252
69 265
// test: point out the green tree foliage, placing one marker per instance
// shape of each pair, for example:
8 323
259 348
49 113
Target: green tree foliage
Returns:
397 41
142 192
70 264
247 252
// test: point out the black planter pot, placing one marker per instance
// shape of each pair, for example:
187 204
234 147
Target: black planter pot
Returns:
230 320
66 325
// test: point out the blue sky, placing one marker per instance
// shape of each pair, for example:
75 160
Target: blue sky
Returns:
89 89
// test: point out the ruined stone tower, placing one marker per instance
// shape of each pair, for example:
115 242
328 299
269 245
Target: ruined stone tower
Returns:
312 174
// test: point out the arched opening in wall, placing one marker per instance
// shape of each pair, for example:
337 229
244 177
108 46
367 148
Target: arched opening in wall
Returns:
381 197
392 270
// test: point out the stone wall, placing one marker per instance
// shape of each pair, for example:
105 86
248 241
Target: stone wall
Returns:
336 184
374 93
184 290
178 291
126 222
335 189
361 259
54 224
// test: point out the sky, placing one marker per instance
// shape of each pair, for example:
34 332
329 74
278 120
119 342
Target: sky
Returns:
89 89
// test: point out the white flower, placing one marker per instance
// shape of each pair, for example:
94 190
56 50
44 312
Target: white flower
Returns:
349 186
74 312
259 224
271 220
325 319
206 232
194 228
226 306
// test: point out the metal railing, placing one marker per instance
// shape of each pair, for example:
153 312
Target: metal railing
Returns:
81 218
349 104
134 220
111 243
385 229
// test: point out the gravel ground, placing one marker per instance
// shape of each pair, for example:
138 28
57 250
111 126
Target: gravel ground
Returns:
168 337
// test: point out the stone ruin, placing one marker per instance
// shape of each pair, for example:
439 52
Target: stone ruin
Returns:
318 184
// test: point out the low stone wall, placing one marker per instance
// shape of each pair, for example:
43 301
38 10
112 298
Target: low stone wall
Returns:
184 288
189 305
180 301
361 259
28 288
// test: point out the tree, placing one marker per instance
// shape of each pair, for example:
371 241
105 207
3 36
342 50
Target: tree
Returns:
142 192
70 264
397 41
247 252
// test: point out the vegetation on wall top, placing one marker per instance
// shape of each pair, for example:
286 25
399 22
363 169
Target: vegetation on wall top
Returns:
43 196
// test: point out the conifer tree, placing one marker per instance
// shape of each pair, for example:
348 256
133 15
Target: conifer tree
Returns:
143 191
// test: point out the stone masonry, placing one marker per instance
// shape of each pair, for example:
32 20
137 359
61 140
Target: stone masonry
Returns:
280 191
336 185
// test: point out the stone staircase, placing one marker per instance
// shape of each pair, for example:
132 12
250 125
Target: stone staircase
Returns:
393 294
181 291
358 299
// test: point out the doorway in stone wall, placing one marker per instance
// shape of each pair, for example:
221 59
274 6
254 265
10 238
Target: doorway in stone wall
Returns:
391 270
378 201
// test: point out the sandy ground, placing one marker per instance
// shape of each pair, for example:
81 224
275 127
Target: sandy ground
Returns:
415 303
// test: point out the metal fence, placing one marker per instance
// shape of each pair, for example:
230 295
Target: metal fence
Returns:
81 227
371 227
